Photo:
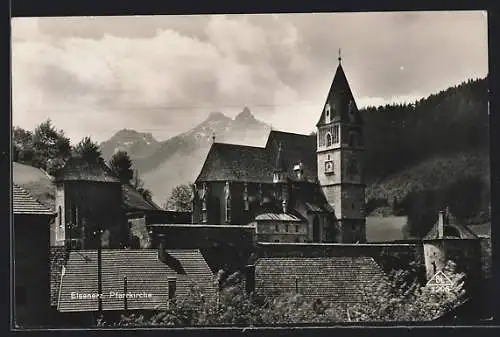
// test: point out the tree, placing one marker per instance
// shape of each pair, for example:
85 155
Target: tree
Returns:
384 302
88 150
22 141
180 199
51 147
121 164
138 184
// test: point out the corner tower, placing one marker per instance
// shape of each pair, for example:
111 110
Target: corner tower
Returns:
340 154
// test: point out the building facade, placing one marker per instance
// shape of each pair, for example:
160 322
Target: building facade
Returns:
312 181
31 225
89 207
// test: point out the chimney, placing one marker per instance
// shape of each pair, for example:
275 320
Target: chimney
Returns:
172 285
249 279
441 225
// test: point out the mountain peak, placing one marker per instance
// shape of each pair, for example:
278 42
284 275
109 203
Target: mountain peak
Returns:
216 115
245 114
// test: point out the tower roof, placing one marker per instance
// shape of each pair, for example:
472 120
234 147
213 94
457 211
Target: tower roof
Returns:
340 102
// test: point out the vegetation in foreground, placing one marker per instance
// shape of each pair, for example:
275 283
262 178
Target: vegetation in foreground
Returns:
396 301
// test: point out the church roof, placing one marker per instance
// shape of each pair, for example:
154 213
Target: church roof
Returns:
256 164
236 163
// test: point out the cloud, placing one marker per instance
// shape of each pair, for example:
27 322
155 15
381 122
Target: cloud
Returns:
96 75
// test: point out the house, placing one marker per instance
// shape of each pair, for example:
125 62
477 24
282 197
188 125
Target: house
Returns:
339 280
89 206
151 278
314 182
31 228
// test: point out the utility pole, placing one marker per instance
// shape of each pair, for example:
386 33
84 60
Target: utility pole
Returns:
99 269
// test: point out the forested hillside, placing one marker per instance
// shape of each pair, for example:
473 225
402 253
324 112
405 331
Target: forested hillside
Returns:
431 154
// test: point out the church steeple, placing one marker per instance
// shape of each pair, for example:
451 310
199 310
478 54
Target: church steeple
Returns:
340 105
339 158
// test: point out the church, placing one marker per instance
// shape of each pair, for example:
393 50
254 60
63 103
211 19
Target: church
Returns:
297 188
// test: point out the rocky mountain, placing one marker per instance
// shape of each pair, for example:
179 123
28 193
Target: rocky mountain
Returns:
431 153
179 159
137 144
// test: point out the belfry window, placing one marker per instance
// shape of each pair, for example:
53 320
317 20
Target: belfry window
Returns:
328 139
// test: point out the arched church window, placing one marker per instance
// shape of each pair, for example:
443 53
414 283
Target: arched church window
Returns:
328 139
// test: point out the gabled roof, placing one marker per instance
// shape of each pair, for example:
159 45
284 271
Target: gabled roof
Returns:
236 163
78 169
296 148
256 164
341 280
134 201
25 203
145 274
42 187
339 98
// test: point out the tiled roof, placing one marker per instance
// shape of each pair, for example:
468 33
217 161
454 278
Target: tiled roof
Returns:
341 280
34 180
135 201
42 188
236 163
255 164
24 203
278 217
78 169
145 274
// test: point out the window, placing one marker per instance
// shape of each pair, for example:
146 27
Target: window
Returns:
336 133
286 228
276 240
327 113
328 139
296 228
276 228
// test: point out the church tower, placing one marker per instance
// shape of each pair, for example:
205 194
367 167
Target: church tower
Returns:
339 155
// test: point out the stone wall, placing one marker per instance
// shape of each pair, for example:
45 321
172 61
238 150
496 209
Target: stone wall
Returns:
57 258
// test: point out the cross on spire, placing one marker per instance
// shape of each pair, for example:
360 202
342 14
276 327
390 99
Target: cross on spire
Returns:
213 137
340 55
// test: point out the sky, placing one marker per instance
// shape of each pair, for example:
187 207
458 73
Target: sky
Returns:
93 76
